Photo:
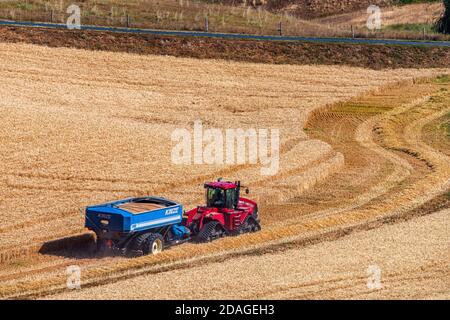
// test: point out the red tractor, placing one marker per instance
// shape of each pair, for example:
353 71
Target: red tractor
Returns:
225 213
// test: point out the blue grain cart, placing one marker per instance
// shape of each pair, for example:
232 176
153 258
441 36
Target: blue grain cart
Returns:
137 226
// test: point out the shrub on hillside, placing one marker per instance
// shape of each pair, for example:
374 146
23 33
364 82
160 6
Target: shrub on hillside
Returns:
443 24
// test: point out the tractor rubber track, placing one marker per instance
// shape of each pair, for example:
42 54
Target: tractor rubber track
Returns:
205 234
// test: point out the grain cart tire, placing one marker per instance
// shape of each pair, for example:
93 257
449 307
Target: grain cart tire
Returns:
136 247
154 244
147 243
210 231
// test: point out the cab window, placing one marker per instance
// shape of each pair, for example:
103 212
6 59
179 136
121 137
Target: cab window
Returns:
230 198
215 197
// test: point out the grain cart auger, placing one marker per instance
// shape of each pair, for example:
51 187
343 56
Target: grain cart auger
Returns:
226 213
137 226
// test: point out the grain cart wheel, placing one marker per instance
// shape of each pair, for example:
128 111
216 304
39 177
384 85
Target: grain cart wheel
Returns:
154 244
210 231
137 245
147 243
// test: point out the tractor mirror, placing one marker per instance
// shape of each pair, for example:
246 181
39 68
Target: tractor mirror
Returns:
247 190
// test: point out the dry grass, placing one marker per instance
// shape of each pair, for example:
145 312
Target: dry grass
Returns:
407 21
163 14
407 14
83 127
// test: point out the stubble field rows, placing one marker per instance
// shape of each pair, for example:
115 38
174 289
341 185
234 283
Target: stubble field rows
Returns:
81 127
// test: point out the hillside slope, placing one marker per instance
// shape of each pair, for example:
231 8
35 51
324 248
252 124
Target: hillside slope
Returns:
417 13
312 8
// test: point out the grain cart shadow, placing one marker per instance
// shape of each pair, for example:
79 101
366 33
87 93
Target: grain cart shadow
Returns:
79 247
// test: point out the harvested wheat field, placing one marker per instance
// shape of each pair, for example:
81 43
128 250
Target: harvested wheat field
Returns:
84 127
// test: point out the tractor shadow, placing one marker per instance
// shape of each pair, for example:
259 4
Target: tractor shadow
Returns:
75 247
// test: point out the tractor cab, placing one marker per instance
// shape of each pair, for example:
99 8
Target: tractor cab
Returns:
222 195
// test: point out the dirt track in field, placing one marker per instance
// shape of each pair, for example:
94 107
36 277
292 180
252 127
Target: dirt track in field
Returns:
355 165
